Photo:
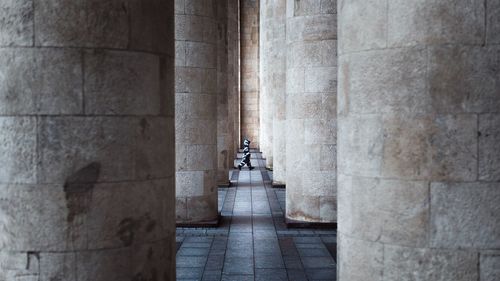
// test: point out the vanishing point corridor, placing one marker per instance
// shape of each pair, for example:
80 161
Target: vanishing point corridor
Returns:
252 241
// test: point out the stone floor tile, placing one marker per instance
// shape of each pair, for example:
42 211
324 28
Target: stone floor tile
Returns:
238 265
318 262
270 275
296 275
183 251
189 273
269 262
186 261
237 277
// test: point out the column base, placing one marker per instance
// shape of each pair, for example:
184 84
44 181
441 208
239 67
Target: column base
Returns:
212 223
278 184
224 184
304 224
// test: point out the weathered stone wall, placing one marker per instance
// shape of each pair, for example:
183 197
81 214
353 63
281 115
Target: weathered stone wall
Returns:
419 140
311 111
250 71
273 84
196 110
272 79
86 140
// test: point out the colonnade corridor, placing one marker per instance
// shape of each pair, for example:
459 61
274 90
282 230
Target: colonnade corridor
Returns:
252 241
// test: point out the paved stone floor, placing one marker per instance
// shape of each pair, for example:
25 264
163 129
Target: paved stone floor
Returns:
252 241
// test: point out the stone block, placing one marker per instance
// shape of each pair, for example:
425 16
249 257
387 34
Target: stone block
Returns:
306 7
301 207
465 215
320 132
295 80
16 23
439 148
109 265
435 22
61 226
57 266
358 137
202 208
362 25
359 260
118 217
304 105
320 183
489 265
405 264
493 22
328 160
44 81
206 8
155 148
189 183
70 146
315 28
321 80
489 147
201 55
196 106
194 131
18 150
388 211
189 157
82 23
328 209
13 265
122 83
399 87
151 26
464 79
312 54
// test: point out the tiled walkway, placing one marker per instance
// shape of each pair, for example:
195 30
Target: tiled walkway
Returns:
252 242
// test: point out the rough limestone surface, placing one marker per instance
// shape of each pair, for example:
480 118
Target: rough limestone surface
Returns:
227 88
233 76
249 34
311 125
418 139
272 81
87 140
196 88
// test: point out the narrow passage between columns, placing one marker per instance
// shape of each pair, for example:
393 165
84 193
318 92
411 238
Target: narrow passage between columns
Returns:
252 241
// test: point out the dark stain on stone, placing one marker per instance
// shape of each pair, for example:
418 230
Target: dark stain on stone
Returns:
78 187
144 125
127 229
31 256
140 276
150 253
479 134
150 226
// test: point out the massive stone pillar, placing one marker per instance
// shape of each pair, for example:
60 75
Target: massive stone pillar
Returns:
86 140
225 144
419 140
196 111
233 75
311 111
273 84
272 79
249 10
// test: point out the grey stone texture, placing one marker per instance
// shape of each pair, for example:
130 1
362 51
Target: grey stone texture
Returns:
227 87
273 83
311 87
250 63
418 118
196 105
87 140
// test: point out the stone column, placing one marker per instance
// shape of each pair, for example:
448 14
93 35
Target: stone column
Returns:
272 77
86 140
311 88
250 71
196 111
225 155
419 140
233 76
273 84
